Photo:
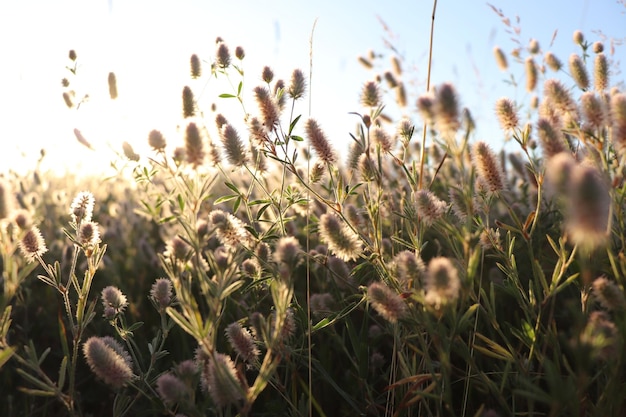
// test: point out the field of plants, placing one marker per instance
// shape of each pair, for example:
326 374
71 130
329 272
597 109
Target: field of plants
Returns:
259 271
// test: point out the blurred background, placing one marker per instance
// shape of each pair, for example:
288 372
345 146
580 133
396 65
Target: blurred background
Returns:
148 43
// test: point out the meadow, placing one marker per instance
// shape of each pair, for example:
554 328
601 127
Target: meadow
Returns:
257 270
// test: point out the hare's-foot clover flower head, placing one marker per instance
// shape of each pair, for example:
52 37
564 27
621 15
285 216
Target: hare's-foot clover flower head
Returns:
341 240
219 378
507 114
242 342
287 251
230 231
446 108
370 95
442 283
386 302
161 292
532 74
409 269
189 103
319 142
113 301
429 206
608 294
88 235
600 73
552 61
222 56
235 151
267 106
297 85
172 389
501 60
195 66
81 208
108 360
488 167
578 71
32 244
156 140
601 337
194 147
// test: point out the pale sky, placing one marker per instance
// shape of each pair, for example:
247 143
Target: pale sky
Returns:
148 43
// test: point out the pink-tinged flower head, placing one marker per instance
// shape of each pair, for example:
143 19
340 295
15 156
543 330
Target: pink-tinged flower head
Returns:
172 389
429 206
235 151
194 147
370 95
488 167
195 66
409 269
447 108
341 240
267 106
287 251
81 208
88 234
552 61
600 72
608 294
114 301
230 230
108 360
578 71
32 244
161 292
297 85
189 103
506 113
222 56
319 142
531 74
386 302
156 140
442 283
242 342
594 110
220 380
551 138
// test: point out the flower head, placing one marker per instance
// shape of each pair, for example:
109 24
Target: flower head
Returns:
235 152
108 360
506 113
222 56
319 141
88 234
370 95
114 302
81 208
500 58
242 342
578 71
442 283
196 68
161 292
488 167
608 294
219 378
189 104
156 140
386 302
194 147
429 206
32 244
341 240
172 389
297 86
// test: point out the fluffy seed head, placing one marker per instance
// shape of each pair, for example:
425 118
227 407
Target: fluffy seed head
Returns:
447 108
172 389
81 208
391 79
488 167
367 167
381 138
555 92
600 72
341 240
618 119
113 301
189 105
196 68
297 85
108 360
552 61
156 140
426 107
578 37
112 81
267 74
386 302
267 106
32 244
129 152
593 110
531 74
551 139
506 113
242 342
501 60
442 283
429 207
72 55
22 219
220 380
578 71
608 294
194 147
240 53
598 47
161 292
88 234
235 151
287 251
230 230
370 95
395 65
258 133
409 269
319 142
222 56
401 95
406 130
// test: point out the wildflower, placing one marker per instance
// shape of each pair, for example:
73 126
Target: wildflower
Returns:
269 110
426 107
559 171
289 325
321 304
67 98
429 207
250 268
189 104
178 249
171 389
156 140
297 86
196 69
235 152
220 380
531 74
551 139
240 53
22 219
81 208
589 208
193 145
267 74
381 138
279 94
386 302
370 95
409 268
258 134
222 56
447 108
72 55
487 167
32 244
559 97
129 152
578 37
112 80
366 62
88 234
552 61
108 360
593 110
220 120
391 80
533 46
367 167
501 61
341 240
161 292
608 294
395 65
406 130
598 47
242 342
339 271
287 250
263 252
490 239
187 371
401 95
319 141
461 207
442 283
618 118
114 302
578 71
507 116
600 72
230 230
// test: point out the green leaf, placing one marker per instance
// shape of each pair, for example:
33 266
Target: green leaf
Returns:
296 138
181 202
492 349
293 124
225 198
37 392
5 355
226 95
183 323
62 373
135 326
239 87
